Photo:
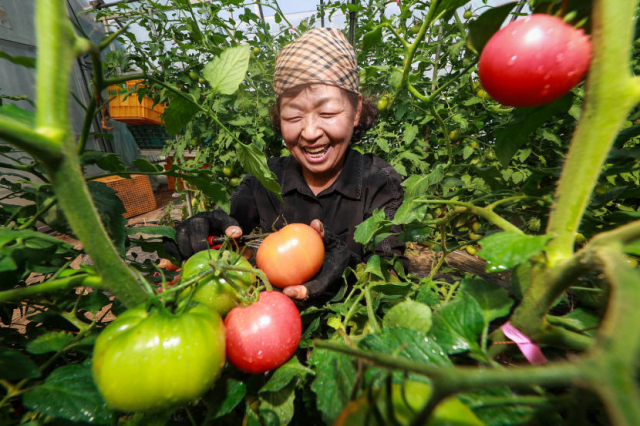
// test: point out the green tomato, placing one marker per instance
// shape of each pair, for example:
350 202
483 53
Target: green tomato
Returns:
216 291
235 181
147 362
415 29
471 250
383 103
467 14
490 155
256 50
194 75
454 135
227 171
483 95
407 399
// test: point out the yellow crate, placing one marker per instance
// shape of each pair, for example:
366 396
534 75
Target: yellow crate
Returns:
130 110
136 193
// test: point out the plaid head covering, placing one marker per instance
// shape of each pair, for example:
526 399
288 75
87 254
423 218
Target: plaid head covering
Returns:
319 56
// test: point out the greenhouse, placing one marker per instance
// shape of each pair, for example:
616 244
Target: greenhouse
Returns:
317 212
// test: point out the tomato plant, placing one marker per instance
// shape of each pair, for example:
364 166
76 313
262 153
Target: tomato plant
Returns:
153 361
264 335
218 290
291 256
534 61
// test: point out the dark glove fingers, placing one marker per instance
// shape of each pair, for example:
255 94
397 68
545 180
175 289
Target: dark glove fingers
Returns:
220 221
171 247
334 264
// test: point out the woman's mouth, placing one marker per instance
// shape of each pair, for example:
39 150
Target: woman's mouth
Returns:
316 153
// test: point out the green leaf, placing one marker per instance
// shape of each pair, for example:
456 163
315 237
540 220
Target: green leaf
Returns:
111 210
481 29
226 395
145 166
214 190
467 152
16 113
19 60
225 72
69 393
411 212
524 122
94 302
7 235
409 314
372 39
406 343
578 320
284 375
457 326
276 408
49 342
633 248
335 377
493 299
504 250
255 163
105 160
16 365
179 113
417 185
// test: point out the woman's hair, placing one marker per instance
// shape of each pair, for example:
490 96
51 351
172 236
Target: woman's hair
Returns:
368 114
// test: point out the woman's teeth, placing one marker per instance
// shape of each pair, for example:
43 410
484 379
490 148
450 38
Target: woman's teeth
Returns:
316 152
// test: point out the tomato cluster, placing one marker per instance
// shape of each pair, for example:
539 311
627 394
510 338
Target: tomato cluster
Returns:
534 61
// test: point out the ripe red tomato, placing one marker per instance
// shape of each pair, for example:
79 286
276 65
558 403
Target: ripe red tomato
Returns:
533 61
291 256
153 361
263 336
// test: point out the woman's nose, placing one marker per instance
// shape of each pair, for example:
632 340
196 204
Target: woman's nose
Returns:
311 129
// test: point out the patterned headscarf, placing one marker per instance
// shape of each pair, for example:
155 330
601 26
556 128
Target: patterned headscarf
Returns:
319 56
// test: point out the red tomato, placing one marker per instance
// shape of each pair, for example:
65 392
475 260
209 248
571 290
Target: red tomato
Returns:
291 256
533 61
263 336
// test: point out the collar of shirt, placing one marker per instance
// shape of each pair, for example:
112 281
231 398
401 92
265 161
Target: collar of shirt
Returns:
349 183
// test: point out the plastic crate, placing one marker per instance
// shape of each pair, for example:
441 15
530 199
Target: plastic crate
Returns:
136 193
126 107
149 136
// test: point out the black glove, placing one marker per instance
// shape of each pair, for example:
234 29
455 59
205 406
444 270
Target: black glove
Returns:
193 233
336 259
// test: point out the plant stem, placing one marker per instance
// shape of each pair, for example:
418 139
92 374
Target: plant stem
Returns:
611 92
49 286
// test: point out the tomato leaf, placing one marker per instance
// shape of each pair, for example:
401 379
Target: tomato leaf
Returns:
577 320
225 72
276 408
24 61
409 314
147 166
458 325
226 395
16 113
407 343
524 122
493 300
504 250
284 375
335 377
633 248
178 114
69 393
481 29
254 162
49 342
105 160
372 39
165 231
367 230
417 185
16 365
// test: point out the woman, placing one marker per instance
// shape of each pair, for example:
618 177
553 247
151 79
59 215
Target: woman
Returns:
319 111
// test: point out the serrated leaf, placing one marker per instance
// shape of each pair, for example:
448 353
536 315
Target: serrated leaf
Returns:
69 393
214 190
94 302
372 39
493 299
105 160
366 231
467 152
417 185
225 72
255 163
226 395
16 365
276 408
406 343
481 29
147 166
409 314
165 231
178 114
284 375
504 250
457 326
49 342
578 320
335 377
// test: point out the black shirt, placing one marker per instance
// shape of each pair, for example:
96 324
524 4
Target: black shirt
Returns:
366 183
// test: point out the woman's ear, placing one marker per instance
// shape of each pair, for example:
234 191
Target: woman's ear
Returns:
356 118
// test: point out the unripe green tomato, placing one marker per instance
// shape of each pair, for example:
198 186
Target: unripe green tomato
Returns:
472 143
234 181
216 291
256 50
474 236
194 75
383 103
202 80
483 95
227 171
146 362
454 135
476 226
490 155
580 238
467 14
471 250
415 29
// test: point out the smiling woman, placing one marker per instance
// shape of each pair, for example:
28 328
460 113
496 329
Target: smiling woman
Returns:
319 111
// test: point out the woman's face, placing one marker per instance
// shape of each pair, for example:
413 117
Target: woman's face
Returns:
317 125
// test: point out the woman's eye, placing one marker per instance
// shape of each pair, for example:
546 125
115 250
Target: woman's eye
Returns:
291 119
327 114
